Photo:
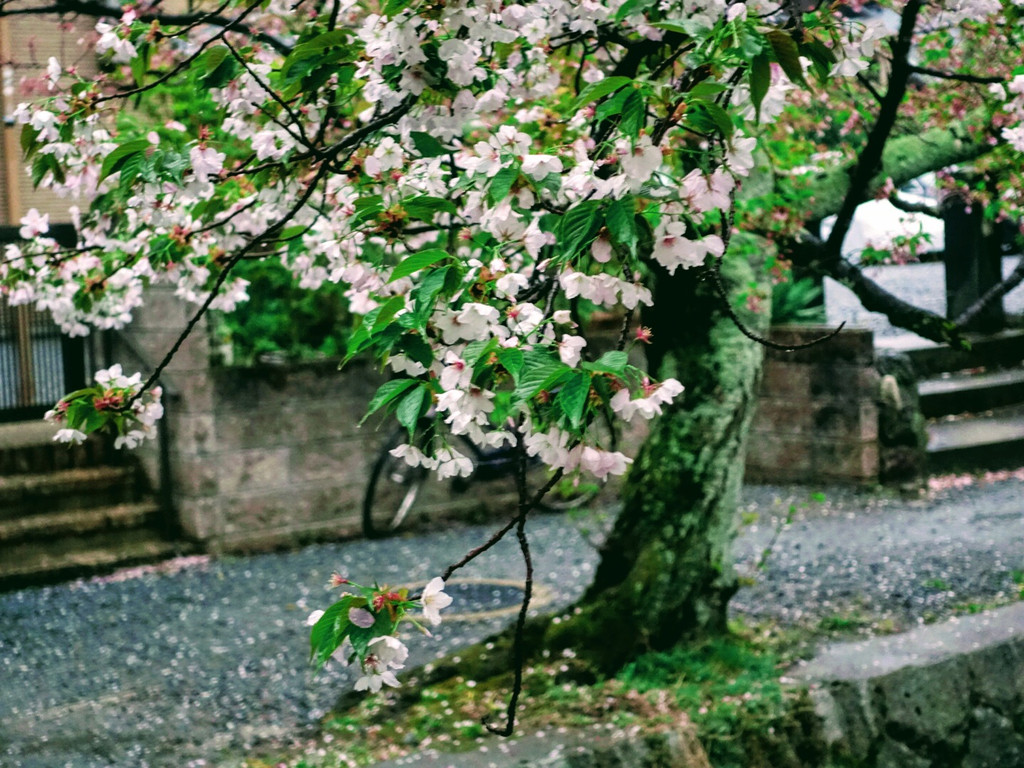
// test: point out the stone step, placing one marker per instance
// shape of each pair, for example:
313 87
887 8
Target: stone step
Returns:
32 494
77 522
998 350
966 392
27 447
994 440
34 563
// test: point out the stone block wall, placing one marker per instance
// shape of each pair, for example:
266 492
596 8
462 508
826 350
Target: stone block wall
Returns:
259 457
817 413
273 456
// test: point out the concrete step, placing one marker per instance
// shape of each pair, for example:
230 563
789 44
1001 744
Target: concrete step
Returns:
35 563
28 448
998 350
966 392
992 440
69 489
78 522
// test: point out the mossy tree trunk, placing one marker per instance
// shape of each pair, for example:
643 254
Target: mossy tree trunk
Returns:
665 573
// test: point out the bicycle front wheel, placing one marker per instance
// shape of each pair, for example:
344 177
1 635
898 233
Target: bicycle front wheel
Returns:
391 492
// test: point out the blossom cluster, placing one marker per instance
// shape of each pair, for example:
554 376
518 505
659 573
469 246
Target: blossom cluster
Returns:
360 628
115 403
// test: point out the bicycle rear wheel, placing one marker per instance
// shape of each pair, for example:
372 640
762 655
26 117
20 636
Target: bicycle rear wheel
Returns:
391 491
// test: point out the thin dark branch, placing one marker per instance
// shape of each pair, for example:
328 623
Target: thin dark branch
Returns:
100 10
908 207
184 64
870 87
518 652
526 504
870 157
963 77
810 253
296 120
474 553
993 294
715 271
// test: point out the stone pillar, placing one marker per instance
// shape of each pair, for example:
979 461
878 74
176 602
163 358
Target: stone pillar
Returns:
190 409
973 262
817 412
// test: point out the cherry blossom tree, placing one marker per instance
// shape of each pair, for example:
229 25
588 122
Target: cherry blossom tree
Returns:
481 176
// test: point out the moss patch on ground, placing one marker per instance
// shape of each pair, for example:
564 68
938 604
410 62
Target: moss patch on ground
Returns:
732 689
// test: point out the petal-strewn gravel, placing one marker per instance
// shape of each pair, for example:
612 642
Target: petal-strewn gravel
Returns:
173 668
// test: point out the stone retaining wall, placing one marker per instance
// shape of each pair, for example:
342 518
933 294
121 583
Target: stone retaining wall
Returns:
817 414
949 695
260 457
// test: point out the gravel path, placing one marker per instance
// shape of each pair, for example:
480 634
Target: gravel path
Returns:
173 668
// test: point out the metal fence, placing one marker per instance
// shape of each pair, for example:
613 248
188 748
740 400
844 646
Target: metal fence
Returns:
38 364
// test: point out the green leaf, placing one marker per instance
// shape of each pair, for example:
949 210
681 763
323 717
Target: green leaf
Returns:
706 88
511 360
329 631
539 369
416 348
612 106
387 312
578 227
394 7
600 89
760 76
139 66
220 75
633 6
572 397
614 361
787 54
718 116
634 115
821 56
416 262
425 207
133 167
112 163
426 145
313 48
361 638
501 183
214 56
696 27
620 218
29 145
426 294
412 407
387 392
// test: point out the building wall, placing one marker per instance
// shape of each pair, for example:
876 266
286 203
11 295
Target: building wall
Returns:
26 44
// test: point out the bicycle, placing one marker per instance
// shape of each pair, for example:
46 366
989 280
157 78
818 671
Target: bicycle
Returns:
394 486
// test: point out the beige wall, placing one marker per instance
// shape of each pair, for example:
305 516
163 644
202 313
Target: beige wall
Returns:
26 44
